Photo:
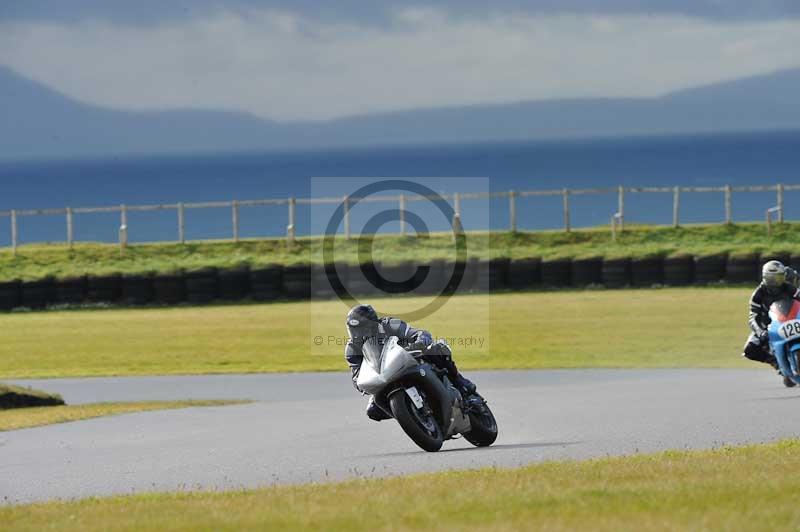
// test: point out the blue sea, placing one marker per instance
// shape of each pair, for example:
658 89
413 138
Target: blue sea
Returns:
694 160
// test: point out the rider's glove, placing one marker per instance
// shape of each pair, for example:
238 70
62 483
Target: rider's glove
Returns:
418 346
763 336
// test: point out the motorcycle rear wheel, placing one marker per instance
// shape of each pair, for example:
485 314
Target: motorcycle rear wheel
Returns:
422 428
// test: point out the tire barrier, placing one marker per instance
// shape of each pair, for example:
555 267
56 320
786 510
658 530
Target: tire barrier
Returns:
202 286
709 268
647 271
136 289
743 269
38 294
435 281
321 286
265 282
71 291
556 272
679 270
401 273
616 272
297 281
103 288
272 282
169 288
234 283
492 274
9 294
588 271
470 281
524 273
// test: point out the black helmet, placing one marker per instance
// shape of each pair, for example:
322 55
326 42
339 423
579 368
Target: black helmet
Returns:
362 323
773 275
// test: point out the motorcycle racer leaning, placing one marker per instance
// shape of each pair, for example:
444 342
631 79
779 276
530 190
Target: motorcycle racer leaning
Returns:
363 324
777 282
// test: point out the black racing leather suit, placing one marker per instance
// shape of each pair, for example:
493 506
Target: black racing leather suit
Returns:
759 320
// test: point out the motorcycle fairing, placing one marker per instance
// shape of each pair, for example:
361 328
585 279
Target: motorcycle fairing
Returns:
784 336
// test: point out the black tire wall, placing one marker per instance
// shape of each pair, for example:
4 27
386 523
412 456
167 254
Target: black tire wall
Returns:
38 294
709 268
202 286
679 270
556 272
71 290
103 288
587 271
265 282
169 288
10 294
234 283
524 273
616 272
743 269
647 271
137 289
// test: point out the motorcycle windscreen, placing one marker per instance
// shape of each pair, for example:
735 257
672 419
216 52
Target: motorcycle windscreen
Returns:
373 353
369 376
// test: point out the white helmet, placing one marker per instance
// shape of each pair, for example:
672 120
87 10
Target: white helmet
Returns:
773 274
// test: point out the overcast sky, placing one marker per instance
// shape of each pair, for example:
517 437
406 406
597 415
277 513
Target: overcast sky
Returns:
304 60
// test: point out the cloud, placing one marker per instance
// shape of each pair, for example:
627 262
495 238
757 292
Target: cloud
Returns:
281 65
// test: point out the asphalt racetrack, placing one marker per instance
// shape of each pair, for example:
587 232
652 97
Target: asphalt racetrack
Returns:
311 428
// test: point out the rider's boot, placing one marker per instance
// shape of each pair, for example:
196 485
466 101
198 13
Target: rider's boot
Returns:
758 354
376 413
789 383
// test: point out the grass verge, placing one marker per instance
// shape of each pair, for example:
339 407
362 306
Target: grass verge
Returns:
674 327
19 397
23 418
695 490
37 260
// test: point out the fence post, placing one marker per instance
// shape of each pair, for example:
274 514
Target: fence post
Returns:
621 207
676 206
69 227
14 231
565 198
290 231
123 229
512 211
402 215
780 203
346 203
235 219
181 224
457 226
728 215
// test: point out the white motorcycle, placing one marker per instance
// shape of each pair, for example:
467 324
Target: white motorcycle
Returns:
421 397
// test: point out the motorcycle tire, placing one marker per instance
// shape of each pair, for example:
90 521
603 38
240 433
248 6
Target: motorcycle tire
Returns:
484 427
426 433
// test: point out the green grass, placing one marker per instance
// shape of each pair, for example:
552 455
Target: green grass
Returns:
671 327
37 261
22 418
743 488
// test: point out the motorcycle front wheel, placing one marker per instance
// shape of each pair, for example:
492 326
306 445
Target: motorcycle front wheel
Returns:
483 431
419 424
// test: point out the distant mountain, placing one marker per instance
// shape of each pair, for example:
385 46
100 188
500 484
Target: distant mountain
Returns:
36 121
